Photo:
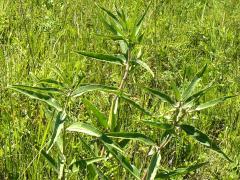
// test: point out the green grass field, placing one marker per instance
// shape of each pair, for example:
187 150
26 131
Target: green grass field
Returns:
39 41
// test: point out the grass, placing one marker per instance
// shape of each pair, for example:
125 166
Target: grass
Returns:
38 40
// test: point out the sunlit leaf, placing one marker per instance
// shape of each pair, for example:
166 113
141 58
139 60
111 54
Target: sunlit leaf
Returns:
49 159
161 95
133 136
212 103
58 126
145 66
92 87
158 124
37 93
98 114
102 57
120 158
112 118
153 166
84 128
51 82
202 138
135 104
193 83
179 171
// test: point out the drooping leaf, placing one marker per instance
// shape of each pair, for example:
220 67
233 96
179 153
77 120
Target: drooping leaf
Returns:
153 166
92 87
180 171
145 66
202 138
212 103
193 83
98 114
35 93
58 126
102 57
132 136
84 128
158 124
161 95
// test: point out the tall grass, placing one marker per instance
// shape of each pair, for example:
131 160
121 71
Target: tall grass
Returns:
38 40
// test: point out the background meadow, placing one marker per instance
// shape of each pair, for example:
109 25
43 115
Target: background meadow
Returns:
38 40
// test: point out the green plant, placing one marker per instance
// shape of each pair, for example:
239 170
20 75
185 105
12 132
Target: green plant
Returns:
182 108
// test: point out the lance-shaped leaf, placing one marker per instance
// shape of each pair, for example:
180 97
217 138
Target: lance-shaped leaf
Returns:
112 118
92 131
58 126
119 157
138 23
193 83
92 87
98 114
180 171
85 162
133 136
198 95
103 57
153 166
118 22
107 142
84 128
49 159
51 82
39 94
212 103
145 66
136 105
161 95
158 124
202 138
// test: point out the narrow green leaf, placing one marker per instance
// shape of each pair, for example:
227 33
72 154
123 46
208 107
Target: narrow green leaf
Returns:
158 124
193 83
49 159
138 22
118 22
98 114
212 103
153 166
85 162
145 66
114 37
84 128
133 136
36 93
120 158
136 105
51 82
202 138
197 95
102 57
92 87
58 126
180 171
112 118
161 95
